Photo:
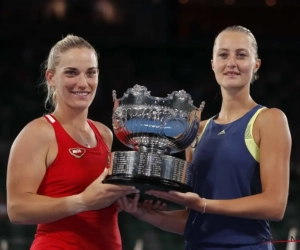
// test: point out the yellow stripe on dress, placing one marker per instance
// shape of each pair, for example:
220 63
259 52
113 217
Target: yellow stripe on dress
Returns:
249 140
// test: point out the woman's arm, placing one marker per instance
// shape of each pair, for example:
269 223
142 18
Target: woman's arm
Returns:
271 129
26 169
275 149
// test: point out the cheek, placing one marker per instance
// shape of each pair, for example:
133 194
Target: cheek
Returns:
68 83
247 68
219 65
94 82
64 86
219 70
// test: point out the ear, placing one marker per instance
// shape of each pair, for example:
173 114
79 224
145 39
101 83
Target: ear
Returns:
257 65
212 64
49 77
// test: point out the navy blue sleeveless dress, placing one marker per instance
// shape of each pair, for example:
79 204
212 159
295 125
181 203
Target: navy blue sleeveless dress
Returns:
226 160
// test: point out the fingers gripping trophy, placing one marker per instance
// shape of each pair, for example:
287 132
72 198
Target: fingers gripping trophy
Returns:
154 128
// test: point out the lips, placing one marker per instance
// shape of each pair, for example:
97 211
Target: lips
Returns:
80 93
231 73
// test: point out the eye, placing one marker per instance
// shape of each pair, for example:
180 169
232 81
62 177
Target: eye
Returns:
241 55
70 72
92 73
223 55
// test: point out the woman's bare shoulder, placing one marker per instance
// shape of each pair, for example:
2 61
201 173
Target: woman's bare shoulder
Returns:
270 115
39 130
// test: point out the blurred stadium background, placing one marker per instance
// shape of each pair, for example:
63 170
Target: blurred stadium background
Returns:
165 45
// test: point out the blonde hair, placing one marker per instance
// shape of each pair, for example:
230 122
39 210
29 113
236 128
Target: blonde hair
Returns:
241 29
67 43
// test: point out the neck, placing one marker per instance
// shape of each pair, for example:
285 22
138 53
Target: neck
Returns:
77 119
235 104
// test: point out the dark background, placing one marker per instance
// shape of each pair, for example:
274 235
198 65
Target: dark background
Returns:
165 45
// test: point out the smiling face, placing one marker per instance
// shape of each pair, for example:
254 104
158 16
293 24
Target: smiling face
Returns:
234 59
75 78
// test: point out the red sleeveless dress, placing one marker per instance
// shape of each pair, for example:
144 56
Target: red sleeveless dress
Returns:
74 168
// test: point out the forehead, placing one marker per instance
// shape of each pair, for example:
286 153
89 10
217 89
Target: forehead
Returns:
77 58
232 40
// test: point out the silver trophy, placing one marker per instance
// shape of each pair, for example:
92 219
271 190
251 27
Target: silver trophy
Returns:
155 128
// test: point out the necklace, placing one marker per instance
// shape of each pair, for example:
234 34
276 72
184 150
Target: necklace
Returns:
86 144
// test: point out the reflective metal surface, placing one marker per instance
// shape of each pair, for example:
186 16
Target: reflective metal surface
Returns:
154 127
156 124
141 165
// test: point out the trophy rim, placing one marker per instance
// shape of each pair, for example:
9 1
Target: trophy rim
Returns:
182 92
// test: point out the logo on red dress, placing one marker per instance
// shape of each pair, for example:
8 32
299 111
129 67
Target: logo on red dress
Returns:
77 152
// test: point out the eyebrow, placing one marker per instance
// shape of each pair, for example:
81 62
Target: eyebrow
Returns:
71 68
240 49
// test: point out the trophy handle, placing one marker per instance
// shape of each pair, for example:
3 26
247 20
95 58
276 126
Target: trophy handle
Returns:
200 110
198 114
115 100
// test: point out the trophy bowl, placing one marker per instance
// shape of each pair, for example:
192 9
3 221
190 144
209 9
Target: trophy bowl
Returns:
154 128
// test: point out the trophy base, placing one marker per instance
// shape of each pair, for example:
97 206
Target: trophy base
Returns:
150 171
144 184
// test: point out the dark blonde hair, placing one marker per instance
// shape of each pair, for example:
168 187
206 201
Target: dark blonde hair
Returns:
241 29
67 43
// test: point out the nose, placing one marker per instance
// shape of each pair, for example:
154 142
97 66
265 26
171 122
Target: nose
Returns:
231 63
82 81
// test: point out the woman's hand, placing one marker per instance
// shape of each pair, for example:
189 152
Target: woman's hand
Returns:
189 200
98 195
154 205
130 206
133 207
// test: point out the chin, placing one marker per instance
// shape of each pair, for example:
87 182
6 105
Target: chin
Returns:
232 84
80 106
